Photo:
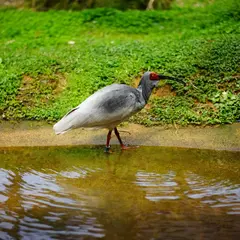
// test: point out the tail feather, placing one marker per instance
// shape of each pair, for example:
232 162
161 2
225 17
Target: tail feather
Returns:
59 128
66 123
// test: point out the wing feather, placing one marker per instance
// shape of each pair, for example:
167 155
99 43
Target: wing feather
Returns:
106 108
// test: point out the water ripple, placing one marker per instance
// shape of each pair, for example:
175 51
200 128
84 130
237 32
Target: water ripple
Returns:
217 194
39 194
158 186
6 177
116 199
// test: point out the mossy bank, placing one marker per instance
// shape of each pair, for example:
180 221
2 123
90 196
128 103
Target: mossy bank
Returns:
51 61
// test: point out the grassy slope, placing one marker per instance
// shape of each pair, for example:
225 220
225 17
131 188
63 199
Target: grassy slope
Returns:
42 76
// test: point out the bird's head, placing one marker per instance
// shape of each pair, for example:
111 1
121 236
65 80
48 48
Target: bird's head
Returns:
155 77
149 81
152 79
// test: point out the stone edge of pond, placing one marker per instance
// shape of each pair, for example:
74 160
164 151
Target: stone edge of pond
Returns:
27 134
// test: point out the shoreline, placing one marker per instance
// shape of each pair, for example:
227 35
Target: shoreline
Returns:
29 134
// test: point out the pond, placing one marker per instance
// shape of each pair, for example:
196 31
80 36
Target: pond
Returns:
145 193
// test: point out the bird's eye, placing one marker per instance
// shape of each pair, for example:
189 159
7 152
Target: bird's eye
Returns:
154 76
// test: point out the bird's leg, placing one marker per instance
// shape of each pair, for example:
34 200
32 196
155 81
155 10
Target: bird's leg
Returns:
107 148
124 147
119 139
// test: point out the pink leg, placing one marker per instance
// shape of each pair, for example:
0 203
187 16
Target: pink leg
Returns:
124 147
120 140
107 148
118 137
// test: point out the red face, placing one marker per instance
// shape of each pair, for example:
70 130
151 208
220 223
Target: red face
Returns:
154 76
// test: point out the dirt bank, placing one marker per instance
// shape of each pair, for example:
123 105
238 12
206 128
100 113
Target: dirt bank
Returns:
225 137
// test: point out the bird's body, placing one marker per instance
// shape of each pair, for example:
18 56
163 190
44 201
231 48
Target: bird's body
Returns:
106 108
109 106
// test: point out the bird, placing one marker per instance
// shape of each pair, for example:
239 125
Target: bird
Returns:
110 106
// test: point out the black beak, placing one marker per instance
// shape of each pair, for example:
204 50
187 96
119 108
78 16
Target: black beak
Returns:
161 77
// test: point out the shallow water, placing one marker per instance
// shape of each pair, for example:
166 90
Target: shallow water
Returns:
146 193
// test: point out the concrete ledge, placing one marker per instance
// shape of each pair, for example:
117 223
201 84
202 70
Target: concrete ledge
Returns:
225 137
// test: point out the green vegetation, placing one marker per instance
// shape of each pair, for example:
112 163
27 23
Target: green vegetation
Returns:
43 75
83 4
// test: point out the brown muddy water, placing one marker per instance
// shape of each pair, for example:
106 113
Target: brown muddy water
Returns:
146 193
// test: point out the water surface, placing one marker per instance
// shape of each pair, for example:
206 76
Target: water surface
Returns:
146 193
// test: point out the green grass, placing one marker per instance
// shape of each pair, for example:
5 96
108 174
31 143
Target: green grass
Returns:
42 76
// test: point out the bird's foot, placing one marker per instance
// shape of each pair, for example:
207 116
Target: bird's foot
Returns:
108 149
125 147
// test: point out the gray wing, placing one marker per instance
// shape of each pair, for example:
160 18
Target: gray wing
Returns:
106 108
119 104
112 105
